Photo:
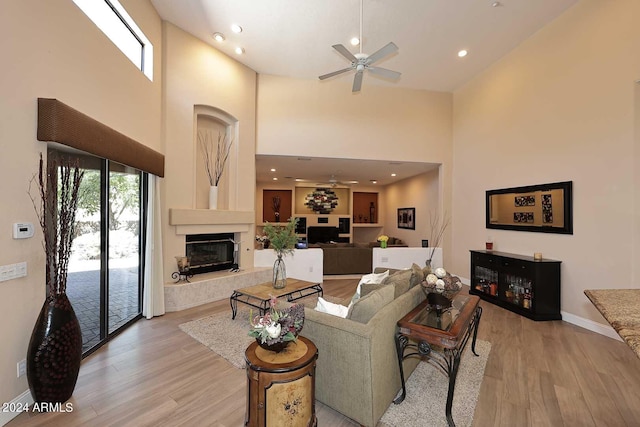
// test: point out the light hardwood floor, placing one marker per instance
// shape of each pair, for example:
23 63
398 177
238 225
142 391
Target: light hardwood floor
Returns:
538 374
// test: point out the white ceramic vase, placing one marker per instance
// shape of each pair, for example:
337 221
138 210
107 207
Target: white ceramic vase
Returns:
213 197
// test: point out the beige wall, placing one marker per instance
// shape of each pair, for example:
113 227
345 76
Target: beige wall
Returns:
420 192
197 74
51 49
560 107
324 119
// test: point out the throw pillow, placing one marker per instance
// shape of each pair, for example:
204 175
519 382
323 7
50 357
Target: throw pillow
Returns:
366 307
372 278
325 306
367 288
400 282
417 275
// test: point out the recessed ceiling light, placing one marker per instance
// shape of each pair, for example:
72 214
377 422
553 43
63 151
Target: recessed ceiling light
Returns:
496 4
393 174
373 181
355 41
275 179
236 28
273 169
219 37
239 50
299 180
462 53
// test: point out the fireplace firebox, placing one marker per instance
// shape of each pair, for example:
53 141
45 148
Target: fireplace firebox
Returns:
210 252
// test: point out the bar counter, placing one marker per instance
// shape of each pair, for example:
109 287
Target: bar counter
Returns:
621 308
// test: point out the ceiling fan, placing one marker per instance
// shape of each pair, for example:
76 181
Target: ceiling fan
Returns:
333 182
361 61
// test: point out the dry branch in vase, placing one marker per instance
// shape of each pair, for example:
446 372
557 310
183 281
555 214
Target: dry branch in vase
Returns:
438 226
215 154
58 186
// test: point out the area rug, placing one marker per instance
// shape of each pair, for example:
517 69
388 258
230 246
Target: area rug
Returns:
223 335
229 338
427 390
426 387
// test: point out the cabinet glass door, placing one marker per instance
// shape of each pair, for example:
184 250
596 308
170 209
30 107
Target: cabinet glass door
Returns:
518 291
486 280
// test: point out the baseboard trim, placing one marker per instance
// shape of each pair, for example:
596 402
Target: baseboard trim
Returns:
22 400
590 325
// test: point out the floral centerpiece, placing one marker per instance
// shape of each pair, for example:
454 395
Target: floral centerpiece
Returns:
383 240
277 328
283 240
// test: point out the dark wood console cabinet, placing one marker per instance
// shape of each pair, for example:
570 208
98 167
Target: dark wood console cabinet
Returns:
518 283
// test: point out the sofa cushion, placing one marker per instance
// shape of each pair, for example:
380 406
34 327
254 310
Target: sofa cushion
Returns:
400 281
366 307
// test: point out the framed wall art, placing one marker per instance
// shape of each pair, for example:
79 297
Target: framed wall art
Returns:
407 218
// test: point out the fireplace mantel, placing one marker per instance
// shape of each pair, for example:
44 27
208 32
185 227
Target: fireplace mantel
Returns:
191 221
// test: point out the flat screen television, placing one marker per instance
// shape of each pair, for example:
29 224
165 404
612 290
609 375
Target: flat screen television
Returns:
322 234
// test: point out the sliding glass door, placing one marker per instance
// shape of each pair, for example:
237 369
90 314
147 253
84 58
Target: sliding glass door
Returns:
125 223
105 269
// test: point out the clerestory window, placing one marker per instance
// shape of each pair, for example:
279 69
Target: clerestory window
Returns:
115 23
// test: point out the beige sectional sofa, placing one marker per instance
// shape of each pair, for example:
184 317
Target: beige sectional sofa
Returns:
357 369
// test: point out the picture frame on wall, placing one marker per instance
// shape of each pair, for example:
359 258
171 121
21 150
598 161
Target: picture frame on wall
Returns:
407 218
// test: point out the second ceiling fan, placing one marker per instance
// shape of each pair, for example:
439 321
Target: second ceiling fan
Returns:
361 61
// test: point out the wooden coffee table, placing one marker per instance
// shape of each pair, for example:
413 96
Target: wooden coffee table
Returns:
440 337
258 296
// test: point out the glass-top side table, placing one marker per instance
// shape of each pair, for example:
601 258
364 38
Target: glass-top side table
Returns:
439 336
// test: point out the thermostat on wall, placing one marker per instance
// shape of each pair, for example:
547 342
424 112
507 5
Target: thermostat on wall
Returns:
22 230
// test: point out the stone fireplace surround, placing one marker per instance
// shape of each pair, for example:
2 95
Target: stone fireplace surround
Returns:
209 287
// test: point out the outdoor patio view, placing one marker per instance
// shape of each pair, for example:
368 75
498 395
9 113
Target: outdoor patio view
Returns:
120 298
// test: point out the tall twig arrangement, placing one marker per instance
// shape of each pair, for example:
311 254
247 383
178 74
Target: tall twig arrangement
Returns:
58 185
215 154
438 226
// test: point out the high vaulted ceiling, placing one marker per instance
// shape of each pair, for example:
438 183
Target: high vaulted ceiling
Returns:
294 37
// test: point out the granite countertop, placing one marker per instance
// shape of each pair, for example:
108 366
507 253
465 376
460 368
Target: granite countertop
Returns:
621 308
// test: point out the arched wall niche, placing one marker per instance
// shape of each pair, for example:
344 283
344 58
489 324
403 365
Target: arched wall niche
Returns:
212 122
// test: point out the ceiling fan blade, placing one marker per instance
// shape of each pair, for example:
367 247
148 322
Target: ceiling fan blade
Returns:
345 52
357 82
390 74
382 52
335 73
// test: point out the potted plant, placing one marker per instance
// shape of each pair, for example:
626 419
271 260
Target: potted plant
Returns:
283 240
55 347
277 328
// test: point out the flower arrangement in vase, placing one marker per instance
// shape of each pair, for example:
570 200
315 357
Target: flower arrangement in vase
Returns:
383 241
283 240
277 328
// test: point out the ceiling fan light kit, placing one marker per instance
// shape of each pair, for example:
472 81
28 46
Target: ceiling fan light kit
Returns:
361 61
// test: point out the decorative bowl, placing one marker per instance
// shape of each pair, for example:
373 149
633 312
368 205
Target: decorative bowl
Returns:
276 348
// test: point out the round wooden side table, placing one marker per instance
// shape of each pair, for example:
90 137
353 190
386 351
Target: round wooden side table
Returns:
281 386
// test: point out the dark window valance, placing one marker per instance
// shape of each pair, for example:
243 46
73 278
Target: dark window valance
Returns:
60 123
